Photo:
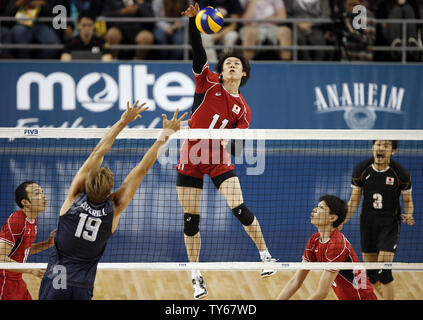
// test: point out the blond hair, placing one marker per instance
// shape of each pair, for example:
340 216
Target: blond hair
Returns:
99 184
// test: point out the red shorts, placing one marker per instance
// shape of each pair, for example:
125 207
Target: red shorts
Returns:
199 170
13 289
200 157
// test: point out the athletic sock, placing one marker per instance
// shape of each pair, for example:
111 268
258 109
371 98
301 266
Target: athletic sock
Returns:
196 274
264 254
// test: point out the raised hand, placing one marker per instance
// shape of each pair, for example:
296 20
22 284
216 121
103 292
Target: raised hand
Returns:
191 11
171 126
174 123
133 113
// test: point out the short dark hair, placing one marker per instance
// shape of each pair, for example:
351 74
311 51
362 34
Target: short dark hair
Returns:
86 14
21 194
337 206
394 143
236 54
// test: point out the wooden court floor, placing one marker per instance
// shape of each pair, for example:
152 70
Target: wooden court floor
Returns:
221 285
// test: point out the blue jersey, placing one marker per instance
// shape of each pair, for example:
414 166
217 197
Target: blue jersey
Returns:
81 238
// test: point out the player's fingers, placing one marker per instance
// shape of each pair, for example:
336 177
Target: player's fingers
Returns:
175 115
408 220
164 116
183 116
141 105
143 109
135 104
187 10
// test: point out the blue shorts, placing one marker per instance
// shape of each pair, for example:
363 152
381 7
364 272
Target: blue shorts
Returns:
48 292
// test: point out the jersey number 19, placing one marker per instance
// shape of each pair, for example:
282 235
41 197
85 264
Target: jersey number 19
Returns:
87 227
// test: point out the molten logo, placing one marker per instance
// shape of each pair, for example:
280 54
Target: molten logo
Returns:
101 101
171 90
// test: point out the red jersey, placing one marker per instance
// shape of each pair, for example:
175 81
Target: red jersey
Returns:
214 108
20 233
348 284
219 109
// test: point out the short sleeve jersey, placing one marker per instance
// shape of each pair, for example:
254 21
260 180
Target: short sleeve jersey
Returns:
381 189
218 109
20 233
349 284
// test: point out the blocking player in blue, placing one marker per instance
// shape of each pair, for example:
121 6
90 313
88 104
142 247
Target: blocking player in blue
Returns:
91 212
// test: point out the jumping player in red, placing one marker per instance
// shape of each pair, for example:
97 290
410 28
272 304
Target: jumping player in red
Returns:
218 104
330 245
17 238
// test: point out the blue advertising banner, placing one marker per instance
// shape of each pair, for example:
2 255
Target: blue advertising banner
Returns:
281 96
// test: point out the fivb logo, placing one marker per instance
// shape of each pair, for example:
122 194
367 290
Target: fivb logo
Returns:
171 90
359 101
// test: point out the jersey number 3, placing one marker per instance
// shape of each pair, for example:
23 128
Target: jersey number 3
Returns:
87 227
377 203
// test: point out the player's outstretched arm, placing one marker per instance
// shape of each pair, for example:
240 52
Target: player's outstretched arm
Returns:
325 283
126 192
43 245
293 284
199 56
95 159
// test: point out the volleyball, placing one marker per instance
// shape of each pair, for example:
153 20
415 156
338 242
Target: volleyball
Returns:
209 20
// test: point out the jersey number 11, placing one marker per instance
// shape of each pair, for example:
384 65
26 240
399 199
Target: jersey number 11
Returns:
214 121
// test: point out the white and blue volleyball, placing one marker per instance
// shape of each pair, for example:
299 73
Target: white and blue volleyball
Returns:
209 20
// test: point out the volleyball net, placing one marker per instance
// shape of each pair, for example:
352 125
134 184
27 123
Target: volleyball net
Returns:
283 173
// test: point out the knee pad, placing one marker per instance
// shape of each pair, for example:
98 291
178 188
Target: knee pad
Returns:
244 215
385 276
191 224
373 275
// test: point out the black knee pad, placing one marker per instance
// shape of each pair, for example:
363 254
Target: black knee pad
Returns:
373 275
243 214
191 224
385 276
